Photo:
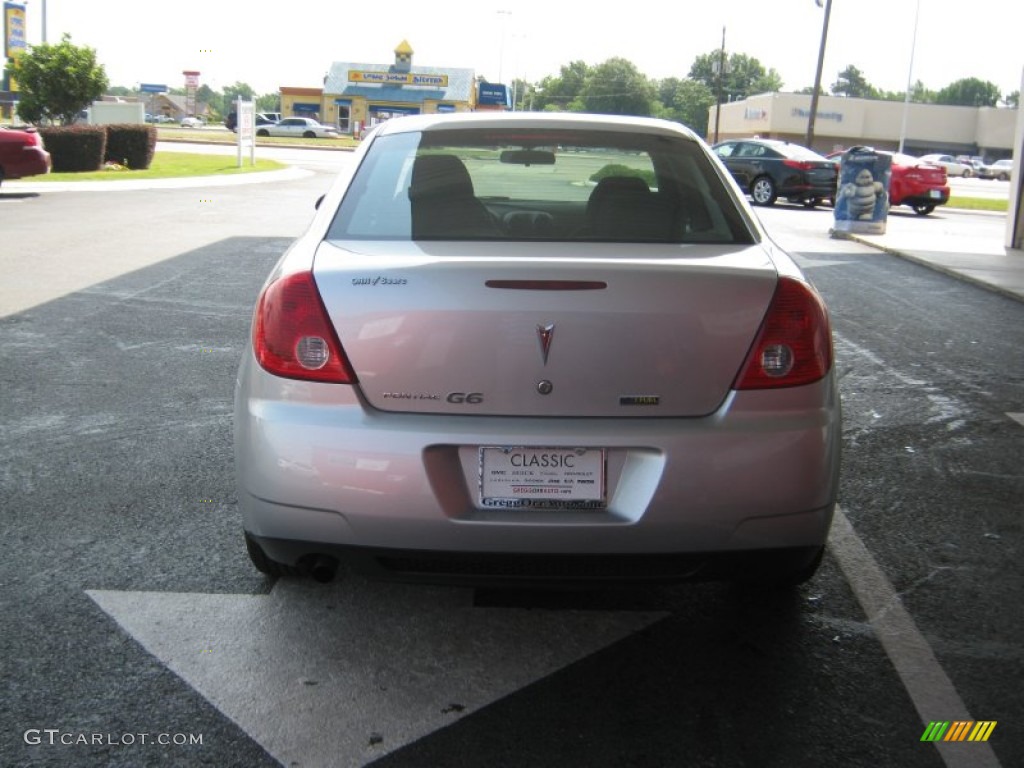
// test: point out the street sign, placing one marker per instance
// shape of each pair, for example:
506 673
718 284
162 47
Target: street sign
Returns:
245 113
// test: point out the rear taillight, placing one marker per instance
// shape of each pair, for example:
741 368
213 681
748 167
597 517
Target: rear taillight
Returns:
800 165
794 344
292 335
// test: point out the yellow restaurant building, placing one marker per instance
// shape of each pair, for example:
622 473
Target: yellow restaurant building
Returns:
357 95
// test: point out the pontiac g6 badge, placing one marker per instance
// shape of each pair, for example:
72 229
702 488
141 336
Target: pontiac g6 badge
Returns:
544 335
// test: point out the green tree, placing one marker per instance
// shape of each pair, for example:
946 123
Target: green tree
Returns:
919 94
1012 99
57 81
617 87
206 95
852 83
744 75
234 92
686 101
268 102
561 92
969 92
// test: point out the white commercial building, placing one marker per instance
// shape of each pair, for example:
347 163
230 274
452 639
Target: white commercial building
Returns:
843 122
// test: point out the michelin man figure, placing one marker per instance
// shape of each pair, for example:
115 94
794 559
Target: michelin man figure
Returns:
861 195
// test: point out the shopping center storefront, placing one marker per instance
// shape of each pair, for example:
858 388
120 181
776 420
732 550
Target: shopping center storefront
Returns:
357 96
841 123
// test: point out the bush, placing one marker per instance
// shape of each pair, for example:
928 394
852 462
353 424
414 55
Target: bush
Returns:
614 169
75 148
129 145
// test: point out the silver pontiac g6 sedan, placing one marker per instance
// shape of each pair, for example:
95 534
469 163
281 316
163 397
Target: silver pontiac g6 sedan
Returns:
541 347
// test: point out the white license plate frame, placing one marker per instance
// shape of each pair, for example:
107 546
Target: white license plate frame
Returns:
542 477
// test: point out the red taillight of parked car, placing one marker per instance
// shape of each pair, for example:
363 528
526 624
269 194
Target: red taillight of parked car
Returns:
794 344
292 335
800 165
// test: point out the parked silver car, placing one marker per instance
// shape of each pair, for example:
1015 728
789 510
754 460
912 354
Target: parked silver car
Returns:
1000 169
303 127
953 166
537 346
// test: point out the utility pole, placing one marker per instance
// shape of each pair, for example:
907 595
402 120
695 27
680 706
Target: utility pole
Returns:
718 95
817 77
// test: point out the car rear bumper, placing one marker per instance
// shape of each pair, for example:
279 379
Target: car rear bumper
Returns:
500 568
317 467
808 192
31 161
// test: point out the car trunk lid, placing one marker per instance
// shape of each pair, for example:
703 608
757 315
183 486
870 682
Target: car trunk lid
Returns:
545 330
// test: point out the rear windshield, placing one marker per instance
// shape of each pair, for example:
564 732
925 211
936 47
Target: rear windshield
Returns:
538 184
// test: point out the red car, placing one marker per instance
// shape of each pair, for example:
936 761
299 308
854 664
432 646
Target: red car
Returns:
913 182
918 184
22 154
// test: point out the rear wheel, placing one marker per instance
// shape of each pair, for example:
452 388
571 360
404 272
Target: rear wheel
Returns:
923 209
769 571
309 135
763 191
1004 177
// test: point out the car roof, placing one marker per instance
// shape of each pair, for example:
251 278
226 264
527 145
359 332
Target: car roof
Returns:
552 120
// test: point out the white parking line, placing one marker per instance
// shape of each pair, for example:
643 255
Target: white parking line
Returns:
931 690
1018 417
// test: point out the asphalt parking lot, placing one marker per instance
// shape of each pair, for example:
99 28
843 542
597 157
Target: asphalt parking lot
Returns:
130 607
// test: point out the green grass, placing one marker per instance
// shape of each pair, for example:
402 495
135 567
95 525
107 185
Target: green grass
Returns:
977 203
172 165
174 133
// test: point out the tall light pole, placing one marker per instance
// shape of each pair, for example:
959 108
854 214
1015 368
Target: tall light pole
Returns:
501 47
910 76
809 139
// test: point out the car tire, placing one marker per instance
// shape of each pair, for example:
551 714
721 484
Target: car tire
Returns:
1004 177
262 132
968 173
763 192
264 564
923 209
803 573
766 573
309 135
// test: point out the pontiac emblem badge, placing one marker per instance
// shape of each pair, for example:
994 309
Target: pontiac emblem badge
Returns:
544 336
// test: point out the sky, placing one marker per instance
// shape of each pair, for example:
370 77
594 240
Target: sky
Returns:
269 45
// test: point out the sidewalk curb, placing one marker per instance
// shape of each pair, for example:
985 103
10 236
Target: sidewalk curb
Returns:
290 173
908 256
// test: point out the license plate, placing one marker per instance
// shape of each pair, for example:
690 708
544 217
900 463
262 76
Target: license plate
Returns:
560 478
935 193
